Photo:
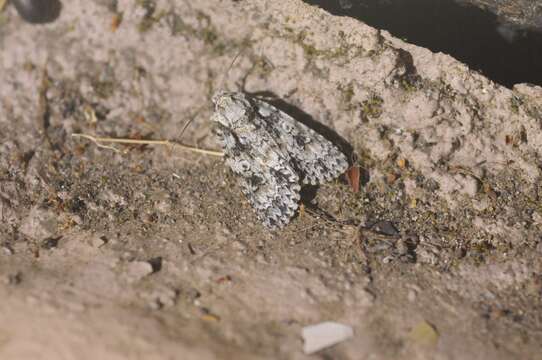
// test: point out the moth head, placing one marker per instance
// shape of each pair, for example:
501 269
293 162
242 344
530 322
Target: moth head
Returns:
232 109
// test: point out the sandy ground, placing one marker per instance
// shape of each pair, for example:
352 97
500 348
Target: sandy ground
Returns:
153 253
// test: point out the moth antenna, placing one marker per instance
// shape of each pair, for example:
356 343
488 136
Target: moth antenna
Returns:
188 122
185 126
223 81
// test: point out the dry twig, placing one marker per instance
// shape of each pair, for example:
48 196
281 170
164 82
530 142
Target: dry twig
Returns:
99 141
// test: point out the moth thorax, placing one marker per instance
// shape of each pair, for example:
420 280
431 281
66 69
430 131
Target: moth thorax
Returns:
232 109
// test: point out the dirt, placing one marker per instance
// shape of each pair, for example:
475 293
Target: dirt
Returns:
152 252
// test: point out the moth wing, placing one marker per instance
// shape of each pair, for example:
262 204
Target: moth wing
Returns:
265 175
317 159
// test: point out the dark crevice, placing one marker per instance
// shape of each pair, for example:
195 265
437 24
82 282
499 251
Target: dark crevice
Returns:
504 53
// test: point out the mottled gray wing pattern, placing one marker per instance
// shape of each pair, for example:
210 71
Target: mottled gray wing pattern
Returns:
265 175
316 158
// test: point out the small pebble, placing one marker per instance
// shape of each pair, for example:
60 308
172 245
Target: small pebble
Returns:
137 270
323 335
8 250
385 228
424 334
13 278
50 243
98 242
412 295
162 298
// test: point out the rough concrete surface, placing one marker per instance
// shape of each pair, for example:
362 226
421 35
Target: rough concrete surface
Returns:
153 253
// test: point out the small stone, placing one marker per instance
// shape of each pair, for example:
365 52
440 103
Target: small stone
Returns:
162 298
50 243
137 270
192 294
7 249
412 295
424 334
469 185
98 242
391 178
481 204
537 218
388 259
14 278
385 228
39 224
324 335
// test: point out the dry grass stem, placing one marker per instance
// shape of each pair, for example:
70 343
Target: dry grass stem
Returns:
99 141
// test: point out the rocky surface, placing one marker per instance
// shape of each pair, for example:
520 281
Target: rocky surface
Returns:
523 14
151 252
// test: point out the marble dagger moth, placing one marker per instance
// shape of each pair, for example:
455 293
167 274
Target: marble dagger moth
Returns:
272 154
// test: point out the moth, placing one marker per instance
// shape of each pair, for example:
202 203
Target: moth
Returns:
272 154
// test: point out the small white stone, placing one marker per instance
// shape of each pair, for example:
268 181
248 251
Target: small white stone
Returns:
39 224
411 295
137 270
97 242
323 335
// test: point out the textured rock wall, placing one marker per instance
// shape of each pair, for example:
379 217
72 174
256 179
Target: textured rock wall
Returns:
151 253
